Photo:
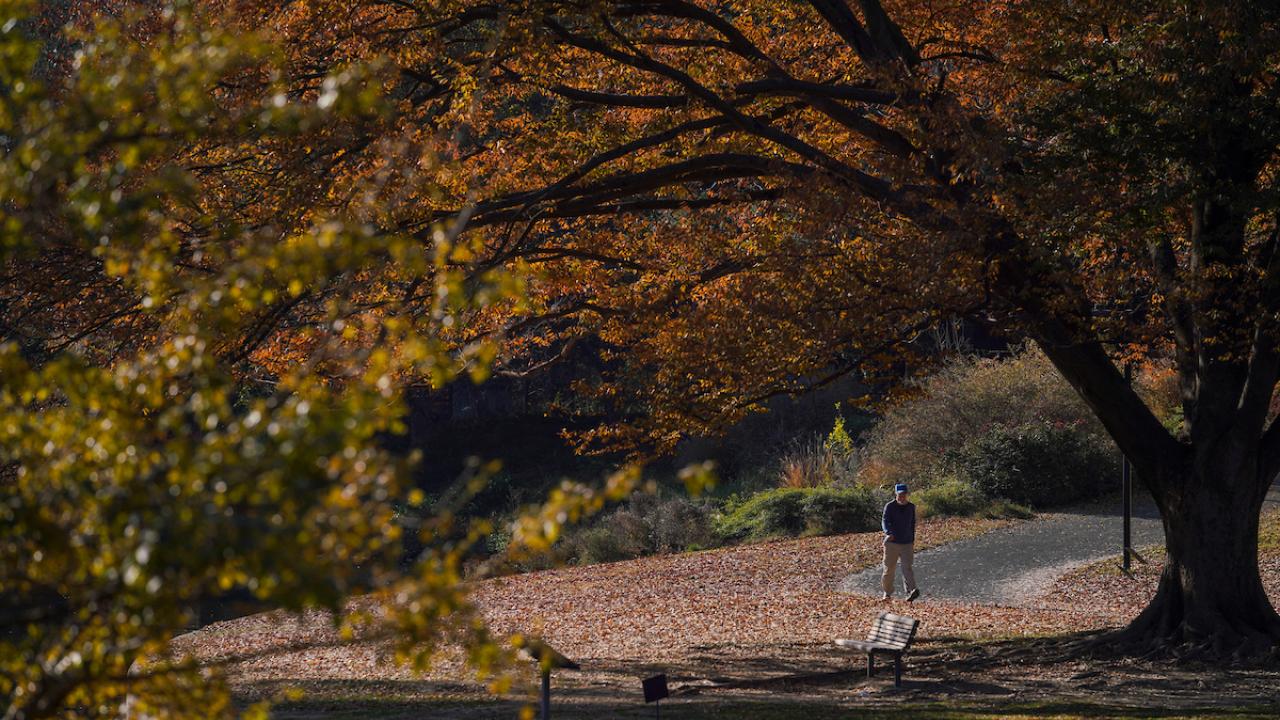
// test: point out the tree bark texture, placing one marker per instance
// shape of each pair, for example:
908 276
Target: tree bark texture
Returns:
1210 600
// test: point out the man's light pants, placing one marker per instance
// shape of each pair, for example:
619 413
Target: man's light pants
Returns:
892 553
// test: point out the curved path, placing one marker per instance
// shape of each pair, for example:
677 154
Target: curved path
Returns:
1014 565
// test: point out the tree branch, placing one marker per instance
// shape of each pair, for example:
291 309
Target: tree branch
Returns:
1181 317
1141 437
842 20
888 36
618 99
871 186
634 146
791 87
612 190
1264 363
737 42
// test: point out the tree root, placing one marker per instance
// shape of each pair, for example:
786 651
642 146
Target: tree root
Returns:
1225 646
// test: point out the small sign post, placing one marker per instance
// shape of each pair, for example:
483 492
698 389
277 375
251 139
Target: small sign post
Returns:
548 659
655 689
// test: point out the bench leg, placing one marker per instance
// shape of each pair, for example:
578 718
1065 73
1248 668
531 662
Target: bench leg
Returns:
897 670
871 664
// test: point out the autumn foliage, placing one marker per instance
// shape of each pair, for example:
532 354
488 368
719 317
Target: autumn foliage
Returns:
739 199
731 199
146 465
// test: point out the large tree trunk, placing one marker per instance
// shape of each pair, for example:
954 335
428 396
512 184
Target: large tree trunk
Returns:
1210 600
1210 488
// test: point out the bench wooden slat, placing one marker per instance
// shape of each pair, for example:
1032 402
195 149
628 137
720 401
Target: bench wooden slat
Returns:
895 642
894 631
865 646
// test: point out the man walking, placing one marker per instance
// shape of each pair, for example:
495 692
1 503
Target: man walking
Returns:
899 537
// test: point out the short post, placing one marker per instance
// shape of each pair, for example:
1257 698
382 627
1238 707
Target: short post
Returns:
1126 488
871 664
545 709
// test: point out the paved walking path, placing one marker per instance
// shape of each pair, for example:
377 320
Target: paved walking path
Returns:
1014 565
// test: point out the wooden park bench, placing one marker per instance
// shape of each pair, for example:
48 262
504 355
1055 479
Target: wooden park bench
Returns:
891 635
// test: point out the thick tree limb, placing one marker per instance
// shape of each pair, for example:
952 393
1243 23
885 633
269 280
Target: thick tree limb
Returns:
842 20
887 34
737 42
869 185
611 192
786 86
619 99
552 254
889 140
649 141
1264 364
1140 435
1181 316
1217 239
589 207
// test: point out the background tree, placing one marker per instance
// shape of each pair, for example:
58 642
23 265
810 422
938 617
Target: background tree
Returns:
742 199
141 467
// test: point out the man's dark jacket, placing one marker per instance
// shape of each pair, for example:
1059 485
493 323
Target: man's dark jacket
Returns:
900 522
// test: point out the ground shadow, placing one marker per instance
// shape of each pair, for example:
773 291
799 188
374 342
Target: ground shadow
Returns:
944 678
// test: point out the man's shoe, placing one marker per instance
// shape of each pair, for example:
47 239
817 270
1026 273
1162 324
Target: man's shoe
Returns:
915 593
887 596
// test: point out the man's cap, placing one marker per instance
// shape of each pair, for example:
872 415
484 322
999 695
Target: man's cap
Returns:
900 488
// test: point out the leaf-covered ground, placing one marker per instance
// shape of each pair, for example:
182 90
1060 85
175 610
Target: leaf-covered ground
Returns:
751 624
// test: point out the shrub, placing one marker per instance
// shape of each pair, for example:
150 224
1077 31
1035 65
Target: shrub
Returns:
950 498
498 541
1011 429
838 441
608 542
953 497
820 461
1037 465
644 525
749 452
959 404
807 465
792 512
836 511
